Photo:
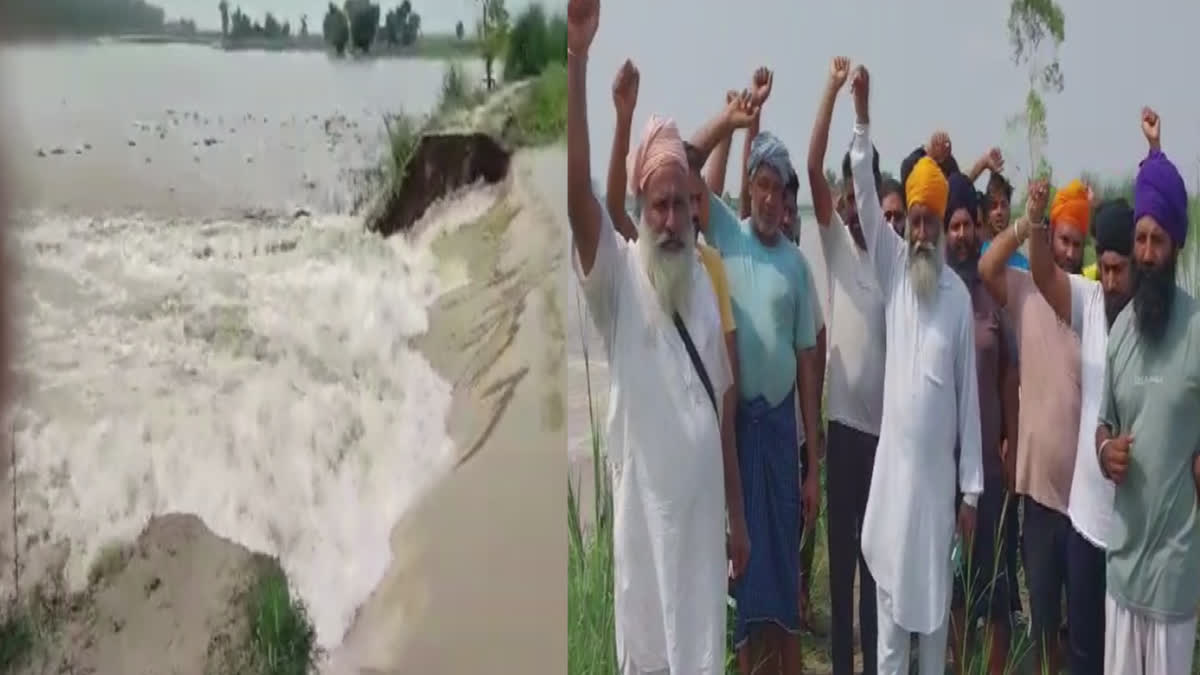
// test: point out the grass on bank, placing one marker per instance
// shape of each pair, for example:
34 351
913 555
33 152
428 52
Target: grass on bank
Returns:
535 50
282 639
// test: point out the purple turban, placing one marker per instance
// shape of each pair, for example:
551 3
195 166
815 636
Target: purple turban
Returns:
1159 192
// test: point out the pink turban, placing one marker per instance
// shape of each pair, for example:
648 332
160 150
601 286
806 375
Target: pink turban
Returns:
661 146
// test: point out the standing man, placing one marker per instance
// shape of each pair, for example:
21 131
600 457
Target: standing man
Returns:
1148 439
625 88
983 582
776 347
855 396
930 408
1048 428
1091 308
654 307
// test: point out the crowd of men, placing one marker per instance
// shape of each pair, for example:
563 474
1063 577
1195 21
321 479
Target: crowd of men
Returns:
964 380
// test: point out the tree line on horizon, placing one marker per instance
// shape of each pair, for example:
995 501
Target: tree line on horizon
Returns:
54 18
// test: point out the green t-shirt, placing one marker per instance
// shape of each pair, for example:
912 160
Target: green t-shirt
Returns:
771 294
1152 392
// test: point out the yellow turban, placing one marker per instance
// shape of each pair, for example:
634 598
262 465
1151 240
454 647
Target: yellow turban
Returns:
1071 207
927 185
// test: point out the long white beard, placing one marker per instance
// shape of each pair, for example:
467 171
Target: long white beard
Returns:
925 263
670 272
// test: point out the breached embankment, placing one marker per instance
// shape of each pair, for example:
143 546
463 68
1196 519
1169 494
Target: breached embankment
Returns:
462 561
477 580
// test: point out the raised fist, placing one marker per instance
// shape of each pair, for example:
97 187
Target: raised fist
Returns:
583 18
625 89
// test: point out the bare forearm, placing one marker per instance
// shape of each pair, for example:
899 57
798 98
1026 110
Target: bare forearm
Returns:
744 173
718 164
821 354
734 505
817 143
614 196
810 402
977 169
1103 435
583 210
713 132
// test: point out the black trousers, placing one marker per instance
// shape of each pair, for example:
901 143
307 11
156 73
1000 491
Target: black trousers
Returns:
848 465
1085 605
1044 537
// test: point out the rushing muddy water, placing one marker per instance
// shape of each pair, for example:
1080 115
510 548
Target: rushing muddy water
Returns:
189 344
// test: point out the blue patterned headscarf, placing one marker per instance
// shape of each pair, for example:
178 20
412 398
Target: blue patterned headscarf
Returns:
768 149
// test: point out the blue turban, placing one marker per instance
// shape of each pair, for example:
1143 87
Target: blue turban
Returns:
1159 192
962 196
767 148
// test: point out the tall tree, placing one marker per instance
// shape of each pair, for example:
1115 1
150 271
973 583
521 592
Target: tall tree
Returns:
303 25
336 29
223 6
492 29
1032 25
459 31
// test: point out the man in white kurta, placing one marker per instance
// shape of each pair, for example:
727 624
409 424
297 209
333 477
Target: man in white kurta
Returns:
662 435
930 407
664 451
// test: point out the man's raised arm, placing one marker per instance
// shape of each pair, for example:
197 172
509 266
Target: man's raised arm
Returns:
993 264
883 244
1051 281
822 197
625 92
583 18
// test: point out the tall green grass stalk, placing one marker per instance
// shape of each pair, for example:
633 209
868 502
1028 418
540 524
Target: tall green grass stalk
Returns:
591 630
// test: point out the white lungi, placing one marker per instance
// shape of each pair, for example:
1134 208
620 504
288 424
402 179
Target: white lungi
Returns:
1139 645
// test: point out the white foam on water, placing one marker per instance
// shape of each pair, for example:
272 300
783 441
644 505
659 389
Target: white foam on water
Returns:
258 374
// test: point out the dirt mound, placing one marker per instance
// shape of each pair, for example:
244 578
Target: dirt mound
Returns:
173 602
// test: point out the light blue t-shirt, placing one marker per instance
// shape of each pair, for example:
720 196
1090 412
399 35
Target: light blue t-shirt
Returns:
769 288
1018 259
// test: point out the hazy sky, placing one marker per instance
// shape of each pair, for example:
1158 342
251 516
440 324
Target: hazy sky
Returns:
437 16
934 64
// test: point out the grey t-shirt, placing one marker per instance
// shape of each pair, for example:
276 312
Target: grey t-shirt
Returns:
1152 392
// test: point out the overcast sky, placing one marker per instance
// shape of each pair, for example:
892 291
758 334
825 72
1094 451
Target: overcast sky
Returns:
934 63
437 16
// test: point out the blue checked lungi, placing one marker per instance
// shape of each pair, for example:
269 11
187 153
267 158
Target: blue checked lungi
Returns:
769 462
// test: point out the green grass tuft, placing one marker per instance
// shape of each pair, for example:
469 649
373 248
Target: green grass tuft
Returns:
282 638
542 118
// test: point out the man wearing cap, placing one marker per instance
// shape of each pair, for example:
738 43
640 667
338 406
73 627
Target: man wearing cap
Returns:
1048 427
930 408
1148 439
654 307
777 361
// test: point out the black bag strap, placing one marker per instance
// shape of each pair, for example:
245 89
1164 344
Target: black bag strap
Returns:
695 356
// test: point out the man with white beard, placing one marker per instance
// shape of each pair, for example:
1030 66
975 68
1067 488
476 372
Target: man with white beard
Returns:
654 307
930 406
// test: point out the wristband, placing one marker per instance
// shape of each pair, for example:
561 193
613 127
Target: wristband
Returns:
1100 456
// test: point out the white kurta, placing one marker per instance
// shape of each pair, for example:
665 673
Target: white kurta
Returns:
663 444
930 404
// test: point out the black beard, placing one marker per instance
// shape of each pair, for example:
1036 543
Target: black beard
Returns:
1113 306
967 268
1153 291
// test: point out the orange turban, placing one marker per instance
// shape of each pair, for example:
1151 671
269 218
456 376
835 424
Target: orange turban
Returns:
1071 207
927 185
661 146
